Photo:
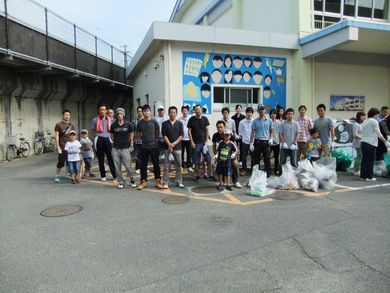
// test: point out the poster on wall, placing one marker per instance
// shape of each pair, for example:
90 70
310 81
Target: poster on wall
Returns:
201 71
347 103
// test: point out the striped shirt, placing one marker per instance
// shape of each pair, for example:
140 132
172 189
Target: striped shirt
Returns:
305 124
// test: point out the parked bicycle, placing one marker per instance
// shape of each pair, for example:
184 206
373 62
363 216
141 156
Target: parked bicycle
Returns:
13 150
44 144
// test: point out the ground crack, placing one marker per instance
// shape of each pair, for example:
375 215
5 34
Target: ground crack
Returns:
305 253
371 268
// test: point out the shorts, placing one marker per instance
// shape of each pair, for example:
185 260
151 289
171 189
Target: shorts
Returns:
224 170
87 162
197 153
74 167
62 159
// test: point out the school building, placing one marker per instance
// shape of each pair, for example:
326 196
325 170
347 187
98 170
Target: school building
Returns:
290 52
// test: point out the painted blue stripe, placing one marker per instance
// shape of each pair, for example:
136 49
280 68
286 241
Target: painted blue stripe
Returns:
342 24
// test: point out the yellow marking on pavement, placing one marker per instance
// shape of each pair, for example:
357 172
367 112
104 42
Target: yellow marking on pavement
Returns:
343 190
110 183
217 200
315 194
253 202
165 191
232 198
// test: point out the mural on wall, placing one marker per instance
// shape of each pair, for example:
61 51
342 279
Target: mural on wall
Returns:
203 70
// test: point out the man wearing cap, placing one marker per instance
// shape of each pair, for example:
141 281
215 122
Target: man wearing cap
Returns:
160 118
101 126
261 134
185 142
122 135
62 130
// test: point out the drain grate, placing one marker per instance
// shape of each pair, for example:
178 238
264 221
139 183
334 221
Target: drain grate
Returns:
205 189
61 211
175 200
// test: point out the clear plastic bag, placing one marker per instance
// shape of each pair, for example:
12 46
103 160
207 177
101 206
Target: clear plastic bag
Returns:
258 183
288 179
325 172
305 175
380 169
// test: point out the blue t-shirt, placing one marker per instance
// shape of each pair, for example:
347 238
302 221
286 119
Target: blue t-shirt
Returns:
262 128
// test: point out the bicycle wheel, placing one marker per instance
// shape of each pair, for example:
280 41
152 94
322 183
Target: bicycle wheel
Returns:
52 147
25 149
10 153
38 147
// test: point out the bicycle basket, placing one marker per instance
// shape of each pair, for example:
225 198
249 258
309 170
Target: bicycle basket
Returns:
39 134
11 140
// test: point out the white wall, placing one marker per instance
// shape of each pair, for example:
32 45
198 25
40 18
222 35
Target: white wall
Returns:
225 20
373 82
194 11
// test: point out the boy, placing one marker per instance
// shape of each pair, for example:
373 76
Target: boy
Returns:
73 149
313 146
87 152
325 131
226 152
288 138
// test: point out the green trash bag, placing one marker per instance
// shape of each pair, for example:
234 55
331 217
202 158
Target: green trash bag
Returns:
343 159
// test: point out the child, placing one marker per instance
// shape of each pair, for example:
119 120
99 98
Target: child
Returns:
87 152
226 152
313 145
73 149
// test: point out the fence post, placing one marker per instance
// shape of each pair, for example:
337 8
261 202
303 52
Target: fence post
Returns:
47 35
6 24
75 46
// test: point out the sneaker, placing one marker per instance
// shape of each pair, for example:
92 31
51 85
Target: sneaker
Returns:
107 168
240 165
142 185
181 185
165 186
57 179
237 184
114 180
220 187
356 173
195 178
229 188
120 186
137 171
371 179
92 175
133 184
104 179
190 169
74 181
212 178
362 179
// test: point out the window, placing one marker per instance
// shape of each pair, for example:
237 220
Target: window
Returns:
147 99
380 8
231 96
349 7
319 5
333 6
365 8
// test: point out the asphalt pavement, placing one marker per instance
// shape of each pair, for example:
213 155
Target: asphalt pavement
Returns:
206 241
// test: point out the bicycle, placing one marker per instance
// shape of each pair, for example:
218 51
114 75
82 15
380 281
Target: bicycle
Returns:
44 144
13 150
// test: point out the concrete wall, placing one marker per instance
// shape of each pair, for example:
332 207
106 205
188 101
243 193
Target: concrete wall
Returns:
30 102
194 11
373 82
225 20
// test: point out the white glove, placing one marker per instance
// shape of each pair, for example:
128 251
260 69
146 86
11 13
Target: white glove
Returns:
387 144
95 142
215 156
110 139
59 150
293 147
205 149
332 145
251 147
233 156
131 148
271 142
171 157
237 137
285 146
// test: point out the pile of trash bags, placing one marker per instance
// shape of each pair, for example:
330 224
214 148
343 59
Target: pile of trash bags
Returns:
344 159
308 176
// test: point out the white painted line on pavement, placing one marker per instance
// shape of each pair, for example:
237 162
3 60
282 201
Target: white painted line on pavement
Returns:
363 187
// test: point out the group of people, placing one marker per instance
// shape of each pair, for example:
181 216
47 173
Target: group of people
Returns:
184 143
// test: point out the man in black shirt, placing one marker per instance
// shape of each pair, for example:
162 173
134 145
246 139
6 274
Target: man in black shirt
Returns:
218 137
198 131
122 135
172 132
149 132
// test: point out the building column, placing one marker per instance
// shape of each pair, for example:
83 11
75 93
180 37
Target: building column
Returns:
237 14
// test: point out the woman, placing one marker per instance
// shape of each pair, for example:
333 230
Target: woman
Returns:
280 115
357 137
369 143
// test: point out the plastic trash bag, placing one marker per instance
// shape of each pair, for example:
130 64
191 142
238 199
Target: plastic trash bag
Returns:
305 175
325 172
380 169
343 157
305 166
258 183
287 180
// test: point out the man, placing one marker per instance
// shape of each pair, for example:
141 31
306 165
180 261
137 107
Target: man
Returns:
101 126
62 130
260 136
217 137
229 123
172 131
383 114
198 131
160 118
288 138
137 140
237 118
111 114
274 143
149 131
122 135
305 124
245 130
325 130
185 142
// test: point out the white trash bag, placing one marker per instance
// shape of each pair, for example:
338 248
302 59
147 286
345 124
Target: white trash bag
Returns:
287 180
325 172
380 169
305 175
258 183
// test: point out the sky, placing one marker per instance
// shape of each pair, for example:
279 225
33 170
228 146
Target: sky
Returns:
120 22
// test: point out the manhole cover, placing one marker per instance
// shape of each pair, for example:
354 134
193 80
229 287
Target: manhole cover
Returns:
175 200
61 211
205 189
286 196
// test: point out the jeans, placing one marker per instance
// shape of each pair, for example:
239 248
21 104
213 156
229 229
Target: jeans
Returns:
186 147
368 158
262 148
197 153
276 150
154 156
104 147
177 155
244 151
74 167
122 156
283 158
137 150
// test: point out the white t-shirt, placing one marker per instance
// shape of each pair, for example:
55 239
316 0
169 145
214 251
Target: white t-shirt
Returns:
73 149
370 131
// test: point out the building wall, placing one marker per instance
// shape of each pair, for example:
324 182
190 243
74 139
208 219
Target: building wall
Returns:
373 82
194 11
226 20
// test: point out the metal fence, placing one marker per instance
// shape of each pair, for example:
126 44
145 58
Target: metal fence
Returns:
38 17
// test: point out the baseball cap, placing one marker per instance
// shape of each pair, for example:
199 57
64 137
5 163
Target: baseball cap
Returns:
121 110
260 106
161 107
227 132
72 131
84 131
